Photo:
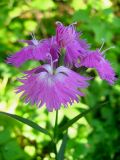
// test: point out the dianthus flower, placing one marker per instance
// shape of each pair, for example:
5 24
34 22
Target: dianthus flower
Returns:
95 59
55 83
53 87
36 50
68 38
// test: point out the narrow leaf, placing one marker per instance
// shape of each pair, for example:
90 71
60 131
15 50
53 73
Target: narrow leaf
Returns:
28 122
72 121
61 152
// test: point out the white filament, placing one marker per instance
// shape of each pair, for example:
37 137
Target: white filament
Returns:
107 49
103 42
34 40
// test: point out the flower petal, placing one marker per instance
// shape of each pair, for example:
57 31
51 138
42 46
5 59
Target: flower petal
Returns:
95 59
68 38
20 57
91 59
60 88
35 51
106 71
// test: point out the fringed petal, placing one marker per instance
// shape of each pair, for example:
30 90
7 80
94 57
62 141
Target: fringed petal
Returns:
41 86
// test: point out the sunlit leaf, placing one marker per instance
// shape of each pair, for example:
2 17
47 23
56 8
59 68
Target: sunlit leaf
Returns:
75 119
61 152
28 122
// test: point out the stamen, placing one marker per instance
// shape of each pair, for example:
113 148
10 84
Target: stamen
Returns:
73 26
55 61
58 22
74 23
103 42
107 49
33 36
52 62
34 40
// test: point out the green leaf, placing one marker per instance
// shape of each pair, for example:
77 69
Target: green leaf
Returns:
5 136
12 151
81 15
28 122
75 119
62 147
43 5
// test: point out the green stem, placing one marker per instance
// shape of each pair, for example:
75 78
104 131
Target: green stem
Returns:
56 127
55 133
62 57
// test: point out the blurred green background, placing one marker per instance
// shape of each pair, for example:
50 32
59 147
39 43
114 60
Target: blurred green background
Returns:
94 137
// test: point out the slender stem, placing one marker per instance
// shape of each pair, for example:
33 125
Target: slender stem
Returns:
56 121
61 59
55 133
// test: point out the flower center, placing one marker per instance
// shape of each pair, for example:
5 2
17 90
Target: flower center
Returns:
52 70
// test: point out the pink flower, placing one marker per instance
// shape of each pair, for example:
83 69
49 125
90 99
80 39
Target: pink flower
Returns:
36 50
53 87
95 59
91 59
68 38
105 71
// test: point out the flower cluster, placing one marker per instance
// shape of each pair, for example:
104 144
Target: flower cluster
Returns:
55 83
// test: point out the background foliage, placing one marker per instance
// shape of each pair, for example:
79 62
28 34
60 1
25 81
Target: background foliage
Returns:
97 136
